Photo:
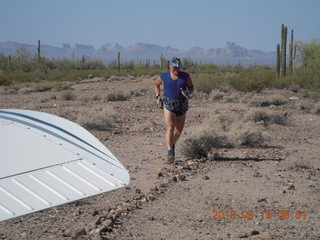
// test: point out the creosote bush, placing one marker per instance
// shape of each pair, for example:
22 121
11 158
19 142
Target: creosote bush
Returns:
267 101
223 132
100 120
68 95
200 144
115 96
269 117
247 134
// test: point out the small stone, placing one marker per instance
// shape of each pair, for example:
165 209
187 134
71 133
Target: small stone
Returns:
206 178
96 220
262 200
80 232
293 98
291 186
243 235
257 174
95 212
254 232
163 185
174 178
182 177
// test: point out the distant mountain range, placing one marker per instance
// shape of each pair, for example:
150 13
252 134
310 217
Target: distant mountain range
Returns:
230 54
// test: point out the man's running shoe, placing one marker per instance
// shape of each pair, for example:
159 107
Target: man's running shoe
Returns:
170 156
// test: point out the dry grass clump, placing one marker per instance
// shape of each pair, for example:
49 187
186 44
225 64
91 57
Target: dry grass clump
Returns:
201 143
269 117
304 105
62 86
115 96
43 86
68 95
48 98
216 94
102 120
301 164
12 91
35 87
113 78
26 90
219 123
96 98
247 134
138 93
85 99
316 108
270 100
233 97
223 132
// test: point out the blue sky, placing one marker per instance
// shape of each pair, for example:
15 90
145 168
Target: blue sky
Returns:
253 24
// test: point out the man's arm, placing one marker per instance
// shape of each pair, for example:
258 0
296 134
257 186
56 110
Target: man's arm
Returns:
190 86
156 86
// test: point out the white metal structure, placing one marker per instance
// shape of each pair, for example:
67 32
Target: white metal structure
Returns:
46 161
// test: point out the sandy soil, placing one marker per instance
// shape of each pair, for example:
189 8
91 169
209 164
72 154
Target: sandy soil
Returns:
269 192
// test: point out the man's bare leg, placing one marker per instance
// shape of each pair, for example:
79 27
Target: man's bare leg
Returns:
170 121
179 125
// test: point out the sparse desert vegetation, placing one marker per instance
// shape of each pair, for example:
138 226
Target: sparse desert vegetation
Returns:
99 120
265 158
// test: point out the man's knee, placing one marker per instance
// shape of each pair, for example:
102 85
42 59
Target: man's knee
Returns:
170 128
177 131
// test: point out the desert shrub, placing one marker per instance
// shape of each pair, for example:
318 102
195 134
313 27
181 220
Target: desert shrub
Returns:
301 164
219 123
102 120
201 143
43 86
62 86
115 96
260 114
12 91
85 98
26 90
113 78
267 101
316 108
68 95
48 98
304 105
206 82
96 98
252 80
216 94
246 134
4 81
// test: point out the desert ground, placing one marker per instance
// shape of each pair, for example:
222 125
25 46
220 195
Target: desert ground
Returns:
270 191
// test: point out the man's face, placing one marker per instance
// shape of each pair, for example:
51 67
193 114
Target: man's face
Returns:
174 70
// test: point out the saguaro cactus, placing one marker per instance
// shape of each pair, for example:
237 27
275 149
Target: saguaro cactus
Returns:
118 61
278 60
39 56
283 50
291 53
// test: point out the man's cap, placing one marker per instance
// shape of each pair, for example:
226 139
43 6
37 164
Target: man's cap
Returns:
175 62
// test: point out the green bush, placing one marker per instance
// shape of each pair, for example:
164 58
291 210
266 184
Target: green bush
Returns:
4 81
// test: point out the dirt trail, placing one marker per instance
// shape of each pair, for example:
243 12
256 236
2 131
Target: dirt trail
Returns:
188 200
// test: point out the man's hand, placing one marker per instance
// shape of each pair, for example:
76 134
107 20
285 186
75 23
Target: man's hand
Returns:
185 93
159 102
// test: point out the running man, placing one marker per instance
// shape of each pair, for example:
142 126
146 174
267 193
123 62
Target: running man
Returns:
177 86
